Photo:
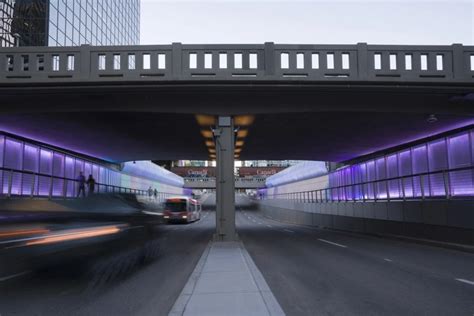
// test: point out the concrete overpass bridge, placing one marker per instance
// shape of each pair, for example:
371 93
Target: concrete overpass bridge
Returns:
311 102
319 102
344 103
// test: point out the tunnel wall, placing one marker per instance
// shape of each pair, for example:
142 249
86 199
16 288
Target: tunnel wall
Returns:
20 154
352 182
447 221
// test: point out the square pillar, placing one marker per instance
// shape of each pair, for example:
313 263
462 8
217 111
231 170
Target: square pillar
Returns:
225 192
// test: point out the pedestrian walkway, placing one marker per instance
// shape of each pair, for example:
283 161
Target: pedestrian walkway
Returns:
226 281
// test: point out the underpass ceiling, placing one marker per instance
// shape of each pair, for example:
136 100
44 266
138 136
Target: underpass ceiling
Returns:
149 121
125 136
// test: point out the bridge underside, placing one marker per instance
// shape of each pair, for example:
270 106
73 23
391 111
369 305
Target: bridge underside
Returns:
292 121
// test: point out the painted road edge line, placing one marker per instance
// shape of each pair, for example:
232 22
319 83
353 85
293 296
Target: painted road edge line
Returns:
332 243
287 230
188 289
465 281
9 277
273 307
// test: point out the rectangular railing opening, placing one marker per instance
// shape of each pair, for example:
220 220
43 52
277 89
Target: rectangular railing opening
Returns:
408 62
25 62
146 61
346 61
70 62
222 60
131 62
117 65
101 62
330 61
161 61
40 62
55 62
269 62
238 61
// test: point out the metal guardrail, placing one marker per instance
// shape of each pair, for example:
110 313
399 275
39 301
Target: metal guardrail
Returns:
207 182
421 186
210 179
264 62
34 184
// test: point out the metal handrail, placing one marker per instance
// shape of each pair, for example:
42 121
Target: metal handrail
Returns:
210 179
326 194
34 186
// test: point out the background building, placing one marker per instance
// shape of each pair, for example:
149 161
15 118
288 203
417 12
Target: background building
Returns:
69 22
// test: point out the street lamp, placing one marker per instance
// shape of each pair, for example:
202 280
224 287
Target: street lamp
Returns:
17 37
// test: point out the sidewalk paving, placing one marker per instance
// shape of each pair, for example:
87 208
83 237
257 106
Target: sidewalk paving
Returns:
226 281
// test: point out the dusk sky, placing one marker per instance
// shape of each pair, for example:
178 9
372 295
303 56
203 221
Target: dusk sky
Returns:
305 21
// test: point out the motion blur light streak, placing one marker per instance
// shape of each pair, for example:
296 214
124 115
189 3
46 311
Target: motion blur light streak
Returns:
14 233
75 235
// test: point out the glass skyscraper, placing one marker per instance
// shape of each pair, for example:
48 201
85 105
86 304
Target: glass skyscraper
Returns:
69 22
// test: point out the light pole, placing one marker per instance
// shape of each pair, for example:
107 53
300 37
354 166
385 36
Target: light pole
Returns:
17 38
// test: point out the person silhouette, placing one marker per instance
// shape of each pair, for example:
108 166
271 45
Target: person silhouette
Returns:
81 181
91 185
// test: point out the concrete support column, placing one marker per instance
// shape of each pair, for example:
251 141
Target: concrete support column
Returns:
225 196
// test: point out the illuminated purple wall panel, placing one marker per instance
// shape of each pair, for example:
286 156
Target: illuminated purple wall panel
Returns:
30 163
21 155
451 152
58 170
69 173
460 155
13 159
392 171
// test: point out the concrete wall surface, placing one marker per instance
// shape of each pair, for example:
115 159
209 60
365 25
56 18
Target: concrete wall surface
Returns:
447 220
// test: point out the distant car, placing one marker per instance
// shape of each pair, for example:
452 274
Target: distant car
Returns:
182 210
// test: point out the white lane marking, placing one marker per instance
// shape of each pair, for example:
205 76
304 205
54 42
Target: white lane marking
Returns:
269 226
14 276
287 230
465 281
388 260
332 243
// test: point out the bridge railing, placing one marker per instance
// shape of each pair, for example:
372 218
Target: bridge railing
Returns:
207 182
443 184
21 183
259 62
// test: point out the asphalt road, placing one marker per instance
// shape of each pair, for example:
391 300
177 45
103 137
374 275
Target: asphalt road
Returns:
117 285
310 271
320 272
